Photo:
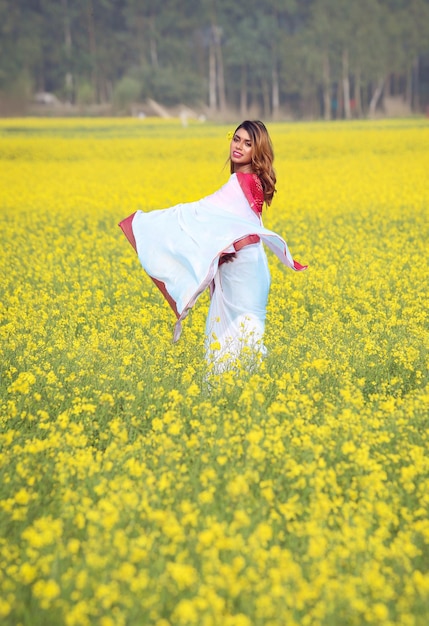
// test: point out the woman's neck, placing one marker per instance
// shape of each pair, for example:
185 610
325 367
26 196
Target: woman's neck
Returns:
243 169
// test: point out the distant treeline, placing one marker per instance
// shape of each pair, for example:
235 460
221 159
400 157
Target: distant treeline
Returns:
319 58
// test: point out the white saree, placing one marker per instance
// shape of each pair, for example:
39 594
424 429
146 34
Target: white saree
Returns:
180 248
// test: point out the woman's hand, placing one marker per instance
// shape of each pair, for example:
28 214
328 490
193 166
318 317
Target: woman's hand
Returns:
228 257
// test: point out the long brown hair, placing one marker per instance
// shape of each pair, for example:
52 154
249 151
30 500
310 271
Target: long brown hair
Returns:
262 156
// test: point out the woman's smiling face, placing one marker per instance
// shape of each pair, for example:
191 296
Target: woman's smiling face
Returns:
241 151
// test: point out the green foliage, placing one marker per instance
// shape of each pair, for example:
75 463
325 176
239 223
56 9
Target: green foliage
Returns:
100 42
85 93
126 91
169 87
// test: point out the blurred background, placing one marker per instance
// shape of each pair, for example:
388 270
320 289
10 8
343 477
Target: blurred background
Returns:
215 59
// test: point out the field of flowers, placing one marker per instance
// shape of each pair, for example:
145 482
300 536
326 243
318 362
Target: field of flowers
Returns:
133 493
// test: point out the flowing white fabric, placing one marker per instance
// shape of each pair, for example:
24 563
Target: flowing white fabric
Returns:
180 249
236 319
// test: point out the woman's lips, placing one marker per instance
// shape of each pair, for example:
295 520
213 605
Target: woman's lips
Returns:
237 155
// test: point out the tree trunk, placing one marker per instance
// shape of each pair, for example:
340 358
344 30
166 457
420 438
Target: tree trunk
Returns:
212 78
265 97
340 103
219 64
275 92
388 85
326 87
358 94
415 102
68 78
346 85
92 48
41 82
153 48
409 87
375 97
243 92
365 97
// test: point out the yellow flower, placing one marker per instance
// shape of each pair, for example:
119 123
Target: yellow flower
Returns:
135 484
23 383
43 532
22 497
73 546
5 607
46 591
28 573
237 487
183 575
185 613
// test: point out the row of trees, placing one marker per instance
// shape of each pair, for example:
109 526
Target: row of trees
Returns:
330 58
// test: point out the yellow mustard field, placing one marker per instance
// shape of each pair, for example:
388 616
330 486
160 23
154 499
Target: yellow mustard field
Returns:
135 492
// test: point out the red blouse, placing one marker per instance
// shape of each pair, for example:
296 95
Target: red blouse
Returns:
253 190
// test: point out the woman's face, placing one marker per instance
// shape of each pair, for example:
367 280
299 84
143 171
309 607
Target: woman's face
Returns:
241 151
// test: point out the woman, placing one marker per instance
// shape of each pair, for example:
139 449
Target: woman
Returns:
216 242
